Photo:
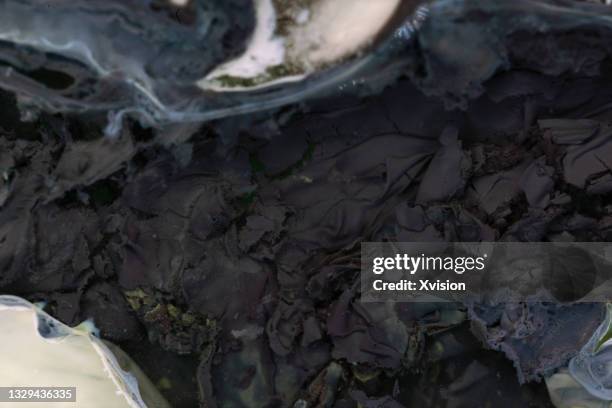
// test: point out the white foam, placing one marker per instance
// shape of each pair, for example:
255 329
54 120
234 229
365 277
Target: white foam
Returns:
265 49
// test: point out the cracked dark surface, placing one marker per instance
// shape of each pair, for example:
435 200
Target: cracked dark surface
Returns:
224 257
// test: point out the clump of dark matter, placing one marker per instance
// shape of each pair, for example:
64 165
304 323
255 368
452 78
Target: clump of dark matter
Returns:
232 247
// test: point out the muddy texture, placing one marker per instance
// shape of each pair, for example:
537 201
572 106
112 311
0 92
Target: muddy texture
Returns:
224 257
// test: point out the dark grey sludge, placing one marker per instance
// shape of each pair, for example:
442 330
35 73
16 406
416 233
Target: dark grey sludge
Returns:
214 234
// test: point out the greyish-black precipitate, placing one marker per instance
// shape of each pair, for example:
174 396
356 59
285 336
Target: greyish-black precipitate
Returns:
224 256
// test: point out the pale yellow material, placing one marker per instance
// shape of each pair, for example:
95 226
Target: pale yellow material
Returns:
68 358
295 38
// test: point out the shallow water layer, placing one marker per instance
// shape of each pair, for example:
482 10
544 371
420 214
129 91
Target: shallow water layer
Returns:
141 58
